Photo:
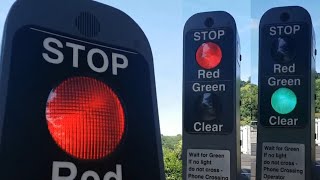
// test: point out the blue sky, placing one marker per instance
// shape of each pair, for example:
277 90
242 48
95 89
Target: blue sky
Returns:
163 21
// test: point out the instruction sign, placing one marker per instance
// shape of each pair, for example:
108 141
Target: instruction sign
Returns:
283 161
208 164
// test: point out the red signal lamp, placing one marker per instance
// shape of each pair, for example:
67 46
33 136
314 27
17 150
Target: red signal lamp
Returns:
209 55
85 118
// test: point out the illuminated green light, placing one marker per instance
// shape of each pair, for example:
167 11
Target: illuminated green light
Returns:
283 100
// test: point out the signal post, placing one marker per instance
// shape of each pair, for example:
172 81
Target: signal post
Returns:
286 143
211 85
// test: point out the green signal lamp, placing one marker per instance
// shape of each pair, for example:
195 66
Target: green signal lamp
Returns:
283 100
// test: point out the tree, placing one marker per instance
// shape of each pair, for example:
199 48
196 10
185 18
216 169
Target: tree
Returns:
172 160
249 103
170 141
243 83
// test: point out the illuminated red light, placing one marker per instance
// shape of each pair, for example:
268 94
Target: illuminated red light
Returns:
85 118
209 55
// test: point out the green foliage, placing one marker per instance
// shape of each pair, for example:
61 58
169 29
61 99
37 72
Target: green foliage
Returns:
172 157
249 103
243 83
170 141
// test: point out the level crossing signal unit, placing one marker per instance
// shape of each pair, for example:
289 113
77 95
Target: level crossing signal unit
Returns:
285 132
77 97
211 97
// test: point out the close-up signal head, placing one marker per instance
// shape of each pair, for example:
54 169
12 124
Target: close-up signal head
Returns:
71 88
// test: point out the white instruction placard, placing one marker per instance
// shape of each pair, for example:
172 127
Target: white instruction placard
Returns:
208 164
283 161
